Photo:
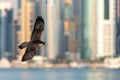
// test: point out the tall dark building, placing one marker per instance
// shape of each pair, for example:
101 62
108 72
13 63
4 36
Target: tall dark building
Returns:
62 43
117 27
6 30
8 33
1 49
84 28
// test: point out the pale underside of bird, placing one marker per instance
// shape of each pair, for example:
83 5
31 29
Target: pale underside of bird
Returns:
35 40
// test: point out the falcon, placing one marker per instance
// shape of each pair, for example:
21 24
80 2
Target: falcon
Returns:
35 40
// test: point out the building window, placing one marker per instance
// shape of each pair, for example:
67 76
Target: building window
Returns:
106 9
44 1
18 28
19 4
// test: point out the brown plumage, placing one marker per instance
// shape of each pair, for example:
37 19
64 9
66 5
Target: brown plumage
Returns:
35 40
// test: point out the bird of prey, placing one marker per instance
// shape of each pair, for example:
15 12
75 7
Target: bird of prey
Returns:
35 40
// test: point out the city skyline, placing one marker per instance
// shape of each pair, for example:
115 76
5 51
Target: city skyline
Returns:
78 31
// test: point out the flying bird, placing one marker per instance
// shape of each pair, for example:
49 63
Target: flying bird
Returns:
35 40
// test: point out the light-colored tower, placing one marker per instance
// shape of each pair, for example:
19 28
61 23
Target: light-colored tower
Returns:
93 29
105 28
53 24
27 15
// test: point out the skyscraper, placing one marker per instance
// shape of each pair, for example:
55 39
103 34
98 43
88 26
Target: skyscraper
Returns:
70 27
37 12
27 15
7 29
53 23
86 29
1 34
43 13
93 32
117 27
8 33
62 43
105 28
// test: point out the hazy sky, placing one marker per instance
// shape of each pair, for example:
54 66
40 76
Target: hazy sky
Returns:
14 5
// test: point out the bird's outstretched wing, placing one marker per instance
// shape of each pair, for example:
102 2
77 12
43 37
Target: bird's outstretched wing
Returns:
29 53
38 29
35 39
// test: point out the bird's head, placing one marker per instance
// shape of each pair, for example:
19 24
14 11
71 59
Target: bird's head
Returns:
39 22
40 19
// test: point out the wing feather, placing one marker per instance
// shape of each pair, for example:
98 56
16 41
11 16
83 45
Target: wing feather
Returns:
29 53
36 35
38 29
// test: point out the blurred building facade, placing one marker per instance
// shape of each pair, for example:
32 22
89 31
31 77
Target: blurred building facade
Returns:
71 28
117 27
9 33
105 28
87 29
81 27
7 29
1 34
43 13
93 40
27 15
1 31
53 23
94 29
17 26
76 28
62 43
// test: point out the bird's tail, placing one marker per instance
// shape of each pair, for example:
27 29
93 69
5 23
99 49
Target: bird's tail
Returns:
23 45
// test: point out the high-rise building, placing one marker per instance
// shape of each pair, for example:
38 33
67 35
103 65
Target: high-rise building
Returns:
86 28
17 29
9 33
94 30
38 12
27 15
105 28
117 27
43 13
61 31
7 29
69 29
1 34
53 23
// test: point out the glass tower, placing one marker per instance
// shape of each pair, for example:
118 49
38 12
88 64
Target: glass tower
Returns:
0 33
85 29
117 27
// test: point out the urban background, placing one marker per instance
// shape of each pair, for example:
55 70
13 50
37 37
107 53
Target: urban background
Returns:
75 30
